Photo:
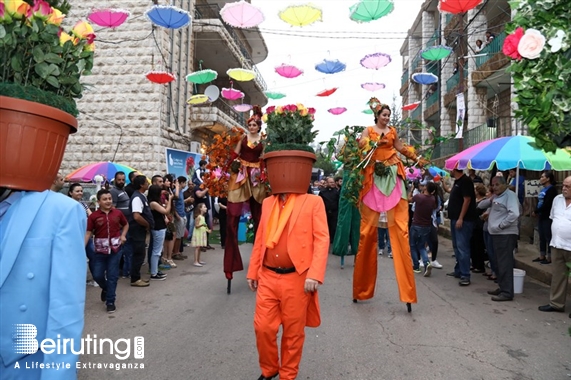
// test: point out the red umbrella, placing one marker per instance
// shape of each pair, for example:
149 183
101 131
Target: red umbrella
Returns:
327 92
160 77
458 6
411 106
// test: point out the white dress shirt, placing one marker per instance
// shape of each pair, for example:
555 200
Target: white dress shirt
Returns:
561 226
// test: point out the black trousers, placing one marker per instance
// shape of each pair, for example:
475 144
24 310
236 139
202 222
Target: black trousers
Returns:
137 237
504 246
433 241
544 229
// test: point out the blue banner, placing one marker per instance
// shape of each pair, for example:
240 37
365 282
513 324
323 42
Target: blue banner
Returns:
181 163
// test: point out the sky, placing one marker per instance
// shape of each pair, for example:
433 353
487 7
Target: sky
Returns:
344 40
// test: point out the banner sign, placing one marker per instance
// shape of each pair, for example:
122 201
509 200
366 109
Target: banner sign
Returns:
182 163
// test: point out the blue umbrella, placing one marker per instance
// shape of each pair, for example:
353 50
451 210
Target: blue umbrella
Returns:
330 66
424 78
168 16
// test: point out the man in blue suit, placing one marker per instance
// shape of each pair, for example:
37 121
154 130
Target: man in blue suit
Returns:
42 283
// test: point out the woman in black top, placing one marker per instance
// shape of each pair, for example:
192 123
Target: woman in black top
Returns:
159 230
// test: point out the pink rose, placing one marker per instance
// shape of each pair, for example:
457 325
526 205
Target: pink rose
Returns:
270 109
511 42
531 44
311 110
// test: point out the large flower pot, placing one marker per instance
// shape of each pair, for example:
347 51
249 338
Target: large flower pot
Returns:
289 171
33 137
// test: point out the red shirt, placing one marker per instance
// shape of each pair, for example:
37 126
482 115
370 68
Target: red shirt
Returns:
106 225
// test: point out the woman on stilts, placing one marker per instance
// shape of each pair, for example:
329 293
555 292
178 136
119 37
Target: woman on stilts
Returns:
384 190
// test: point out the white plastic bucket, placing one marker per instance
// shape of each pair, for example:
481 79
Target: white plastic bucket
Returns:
519 276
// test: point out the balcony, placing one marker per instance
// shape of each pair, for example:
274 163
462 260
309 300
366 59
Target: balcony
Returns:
416 61
434 39
446 149
404 79
433 98
416 114
479 134
491 49
215 117
455 80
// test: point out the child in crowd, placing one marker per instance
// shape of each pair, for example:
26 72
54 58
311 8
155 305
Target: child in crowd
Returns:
199 239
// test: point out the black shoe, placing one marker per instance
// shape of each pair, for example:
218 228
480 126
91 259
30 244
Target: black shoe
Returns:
545 261
538 260
477 270
262 377
452 274
494 292
550 308
111 308
500 298
464 281
103 295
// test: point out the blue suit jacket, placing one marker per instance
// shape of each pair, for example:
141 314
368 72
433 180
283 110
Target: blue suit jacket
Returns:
42 280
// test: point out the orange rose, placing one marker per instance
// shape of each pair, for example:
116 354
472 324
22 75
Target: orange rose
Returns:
17 8
56 17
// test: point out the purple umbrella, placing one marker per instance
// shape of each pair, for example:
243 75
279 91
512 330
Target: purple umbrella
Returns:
375 61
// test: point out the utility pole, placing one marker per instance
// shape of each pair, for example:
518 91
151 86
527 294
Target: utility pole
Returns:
461 61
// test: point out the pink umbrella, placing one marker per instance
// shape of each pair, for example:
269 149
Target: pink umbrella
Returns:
243 107
241 15
373 86
375 61
288 71
108 18
337 110
232 94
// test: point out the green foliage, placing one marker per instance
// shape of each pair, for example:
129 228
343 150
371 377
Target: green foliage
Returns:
289 127
543 93
32 56
325 163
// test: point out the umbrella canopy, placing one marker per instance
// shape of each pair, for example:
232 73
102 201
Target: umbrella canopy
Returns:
243 107
327 92
414 173
435 53
370 10
160 77
202 76
337 110
330 66
424 78
241 14
241 75
458 6
410 106
367 111
107 169
108 18
274 94
288 71
232 94
168 16
373 86
198 99
375 61
509 153
301 15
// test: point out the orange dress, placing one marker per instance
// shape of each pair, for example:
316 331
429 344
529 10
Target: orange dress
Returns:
387 193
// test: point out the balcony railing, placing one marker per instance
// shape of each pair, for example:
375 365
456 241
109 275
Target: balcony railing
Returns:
416 114
212 11
491 49
448 18
404 78
479 134
434 39
416 61
433 98
454 80
225 108
447 148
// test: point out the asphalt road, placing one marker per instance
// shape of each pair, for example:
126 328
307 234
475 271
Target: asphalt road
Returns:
193 330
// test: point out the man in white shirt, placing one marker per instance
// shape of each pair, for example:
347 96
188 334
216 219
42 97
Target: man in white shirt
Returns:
561 248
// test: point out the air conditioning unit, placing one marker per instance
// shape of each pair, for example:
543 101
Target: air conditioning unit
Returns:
195 147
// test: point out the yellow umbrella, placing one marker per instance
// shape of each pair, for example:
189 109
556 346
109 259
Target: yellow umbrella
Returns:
197 99
301 15
241 75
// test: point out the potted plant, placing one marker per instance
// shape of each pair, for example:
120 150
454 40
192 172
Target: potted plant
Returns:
289 157
40 70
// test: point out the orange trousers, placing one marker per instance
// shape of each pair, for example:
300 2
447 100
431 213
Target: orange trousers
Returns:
280 300
365 272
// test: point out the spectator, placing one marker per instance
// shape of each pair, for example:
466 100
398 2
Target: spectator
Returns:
561 244
436 221
160 211
221 203
424 204
474 177
521 184
503 226
455 68
57 185
479 46
121 201
339 182
489 37
543 210
477 244
330 196
129 188
383 232
179 216
140 222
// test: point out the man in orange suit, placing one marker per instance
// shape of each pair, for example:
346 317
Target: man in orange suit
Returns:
287 266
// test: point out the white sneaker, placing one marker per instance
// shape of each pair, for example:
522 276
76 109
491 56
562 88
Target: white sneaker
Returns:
436 264
380 251
421 264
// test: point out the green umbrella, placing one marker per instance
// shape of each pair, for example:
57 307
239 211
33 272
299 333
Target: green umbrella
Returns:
202 76
370 10
368 111
435 53
274 94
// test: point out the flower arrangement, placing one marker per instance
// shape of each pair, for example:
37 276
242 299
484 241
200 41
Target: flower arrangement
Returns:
289 128
39 61
542 74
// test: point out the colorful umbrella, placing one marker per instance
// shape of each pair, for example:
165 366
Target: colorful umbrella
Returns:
330 66
373 86
241 75
198 99
232 94
107 169
414 173
458 6
301 15
375 61
509 153
160 77
424 78
367 111
168 16
243 107
327 92
241 14
435 53
410 106
274 94
370 10
337 110
108 18
202 76
288 71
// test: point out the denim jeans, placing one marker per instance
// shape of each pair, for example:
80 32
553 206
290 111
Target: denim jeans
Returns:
461 243
106 273
127 251
383 234
158 239
418 237
90 252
